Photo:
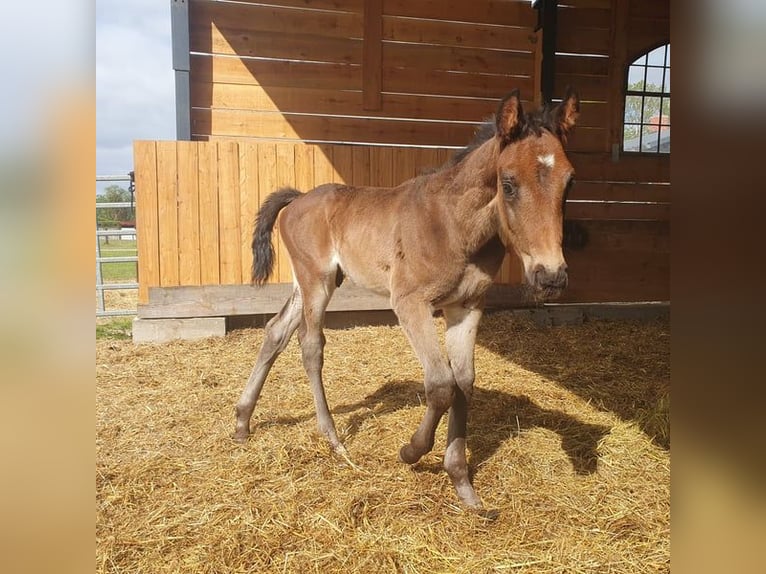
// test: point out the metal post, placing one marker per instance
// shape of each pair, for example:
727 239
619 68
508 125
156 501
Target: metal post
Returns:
99 279
179 26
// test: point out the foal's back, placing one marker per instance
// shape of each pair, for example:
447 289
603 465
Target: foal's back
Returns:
372 234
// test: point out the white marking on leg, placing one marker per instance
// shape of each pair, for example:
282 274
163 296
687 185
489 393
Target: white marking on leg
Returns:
547 160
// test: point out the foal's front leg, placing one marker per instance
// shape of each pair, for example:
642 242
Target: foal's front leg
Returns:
460 339
416 319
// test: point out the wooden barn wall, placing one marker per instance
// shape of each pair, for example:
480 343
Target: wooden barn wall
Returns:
269 76
622 201
413 72
197 201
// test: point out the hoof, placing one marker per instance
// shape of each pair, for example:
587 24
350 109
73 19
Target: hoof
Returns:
240 438
408 455
488 515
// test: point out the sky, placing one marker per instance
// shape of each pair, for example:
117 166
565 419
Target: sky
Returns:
135 90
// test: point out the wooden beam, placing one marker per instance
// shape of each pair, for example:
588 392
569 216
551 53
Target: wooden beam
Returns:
372 54
233 300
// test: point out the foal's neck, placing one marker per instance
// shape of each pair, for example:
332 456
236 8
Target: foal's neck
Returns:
473 184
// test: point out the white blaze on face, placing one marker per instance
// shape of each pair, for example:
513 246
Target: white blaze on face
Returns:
547 160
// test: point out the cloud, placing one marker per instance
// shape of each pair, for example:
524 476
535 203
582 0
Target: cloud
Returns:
135 90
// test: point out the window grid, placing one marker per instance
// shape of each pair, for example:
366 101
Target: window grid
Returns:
648 131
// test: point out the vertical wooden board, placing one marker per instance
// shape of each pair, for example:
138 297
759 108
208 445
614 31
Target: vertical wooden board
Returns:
372 54
188 214
343 163
428 160
403 164
304 167
285 177
167 207
381 165
147 225
323 169
249 200
229 213
444 154
207 157
361 165
267 184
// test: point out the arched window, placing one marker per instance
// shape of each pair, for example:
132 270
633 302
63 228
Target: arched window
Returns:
646 127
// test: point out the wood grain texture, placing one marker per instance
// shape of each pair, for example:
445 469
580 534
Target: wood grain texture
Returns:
147 217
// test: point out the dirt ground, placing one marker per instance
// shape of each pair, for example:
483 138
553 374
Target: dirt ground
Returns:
569 443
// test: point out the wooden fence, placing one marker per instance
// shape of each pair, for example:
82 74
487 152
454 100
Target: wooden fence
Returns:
197 203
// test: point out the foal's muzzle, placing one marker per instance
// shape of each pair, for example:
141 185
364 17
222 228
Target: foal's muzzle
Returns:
550 283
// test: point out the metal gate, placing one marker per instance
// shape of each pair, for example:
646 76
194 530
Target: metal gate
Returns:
102 260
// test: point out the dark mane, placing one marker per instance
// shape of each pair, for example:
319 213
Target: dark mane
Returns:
534 123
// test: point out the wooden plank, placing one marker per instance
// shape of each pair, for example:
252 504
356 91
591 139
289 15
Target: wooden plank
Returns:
147 219
372 54
285 177
404 166
576 40
593 115
469 35
614 236
231 123
333 102
630 167
499 12
455 58
249 200
343 164
617 77
582 65
617 210
280 73
439 82
229 235
208 213
334 5
590 88
586 139
617 277
658 9
598 4
361 165
188 214
167 209
279 45
323 164
304 167
610 191
584 17
267 184
232 300
646 34
257 18
381 166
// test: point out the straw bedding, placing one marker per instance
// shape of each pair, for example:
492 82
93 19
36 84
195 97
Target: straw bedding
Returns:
568 442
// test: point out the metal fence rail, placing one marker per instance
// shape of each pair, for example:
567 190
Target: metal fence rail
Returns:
101 287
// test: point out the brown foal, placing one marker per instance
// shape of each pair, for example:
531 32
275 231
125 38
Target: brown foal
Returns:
433 242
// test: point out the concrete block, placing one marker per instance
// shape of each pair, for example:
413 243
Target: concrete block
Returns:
164 330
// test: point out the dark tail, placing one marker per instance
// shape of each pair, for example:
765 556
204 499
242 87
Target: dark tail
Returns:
263 250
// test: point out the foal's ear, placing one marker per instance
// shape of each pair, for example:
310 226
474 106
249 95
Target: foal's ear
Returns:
566 114
509 118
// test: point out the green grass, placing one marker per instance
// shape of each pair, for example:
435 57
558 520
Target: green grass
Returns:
117 328
118 272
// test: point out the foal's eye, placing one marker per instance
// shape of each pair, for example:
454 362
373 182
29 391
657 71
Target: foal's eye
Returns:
510 188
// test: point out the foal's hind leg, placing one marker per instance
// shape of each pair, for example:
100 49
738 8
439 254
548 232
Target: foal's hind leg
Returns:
460 339
416 319
316 297
279 330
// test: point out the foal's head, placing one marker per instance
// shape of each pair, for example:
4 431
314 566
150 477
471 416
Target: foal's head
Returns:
533 178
